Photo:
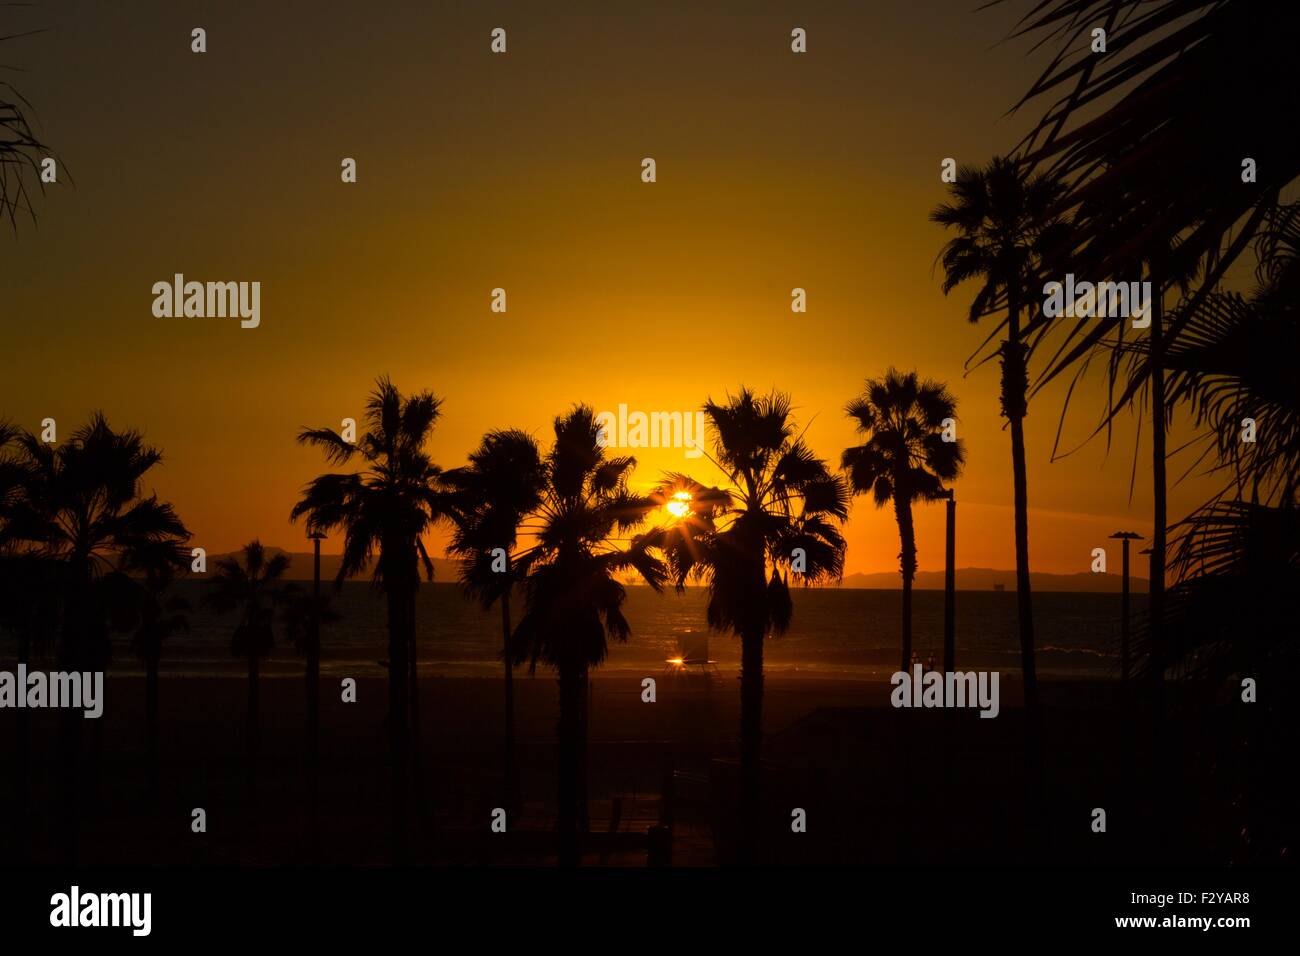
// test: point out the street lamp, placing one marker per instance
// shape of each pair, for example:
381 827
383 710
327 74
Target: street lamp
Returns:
1126 537
950 585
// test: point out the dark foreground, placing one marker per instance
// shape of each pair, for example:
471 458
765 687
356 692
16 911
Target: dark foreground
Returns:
1210 786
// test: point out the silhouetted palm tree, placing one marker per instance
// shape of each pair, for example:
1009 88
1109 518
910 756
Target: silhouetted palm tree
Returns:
493 495
1007 232
904 459
20 155
1235 360
251 586
1182 168
84 510
779 512
573 596
1155 182
84 521
387 507
29 609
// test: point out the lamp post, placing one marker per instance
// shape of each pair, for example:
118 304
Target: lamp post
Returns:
950 585
1126 537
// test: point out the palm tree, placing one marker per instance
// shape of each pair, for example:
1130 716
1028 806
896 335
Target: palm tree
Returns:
1182 167
500 487
1154 182
252 587
85 511
904 459
85 526
572 594
28 607
20 155
778 514
1007 232
1234 361
387 507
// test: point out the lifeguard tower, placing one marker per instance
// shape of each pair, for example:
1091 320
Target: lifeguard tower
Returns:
692 657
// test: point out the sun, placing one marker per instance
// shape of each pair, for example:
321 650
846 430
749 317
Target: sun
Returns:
679 505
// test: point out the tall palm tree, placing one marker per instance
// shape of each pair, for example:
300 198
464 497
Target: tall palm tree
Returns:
1008 232
250 584
904 459
386 507
493 495
573 598
777 514
1155 180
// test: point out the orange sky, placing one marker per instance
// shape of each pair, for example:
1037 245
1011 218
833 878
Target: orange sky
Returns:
521 171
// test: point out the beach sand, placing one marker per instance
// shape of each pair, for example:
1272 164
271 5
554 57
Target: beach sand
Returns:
877 785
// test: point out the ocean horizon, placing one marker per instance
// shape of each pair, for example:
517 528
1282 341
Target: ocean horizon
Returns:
835 634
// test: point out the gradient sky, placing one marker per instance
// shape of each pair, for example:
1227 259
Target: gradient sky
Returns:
522 171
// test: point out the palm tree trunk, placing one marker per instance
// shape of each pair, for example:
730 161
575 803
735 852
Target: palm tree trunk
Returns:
907 565
1015 384
584 718
398 642
1024 602
1015 389
751 743
252 717
511 770
76 623
1159 499
313 725
151 725
950 586
569 734
1159 824
413 681
22 771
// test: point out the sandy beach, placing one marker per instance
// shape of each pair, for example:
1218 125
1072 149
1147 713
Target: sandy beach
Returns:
870 790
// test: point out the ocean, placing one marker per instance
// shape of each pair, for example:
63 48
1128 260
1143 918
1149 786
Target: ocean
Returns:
841 633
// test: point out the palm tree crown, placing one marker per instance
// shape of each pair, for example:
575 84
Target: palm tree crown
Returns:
390 504
492 496
252 586
574 596
905 455
1007 230
908 455
82 512
780 498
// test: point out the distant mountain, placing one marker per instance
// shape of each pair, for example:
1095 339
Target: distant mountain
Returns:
968 579
987 579
300 566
